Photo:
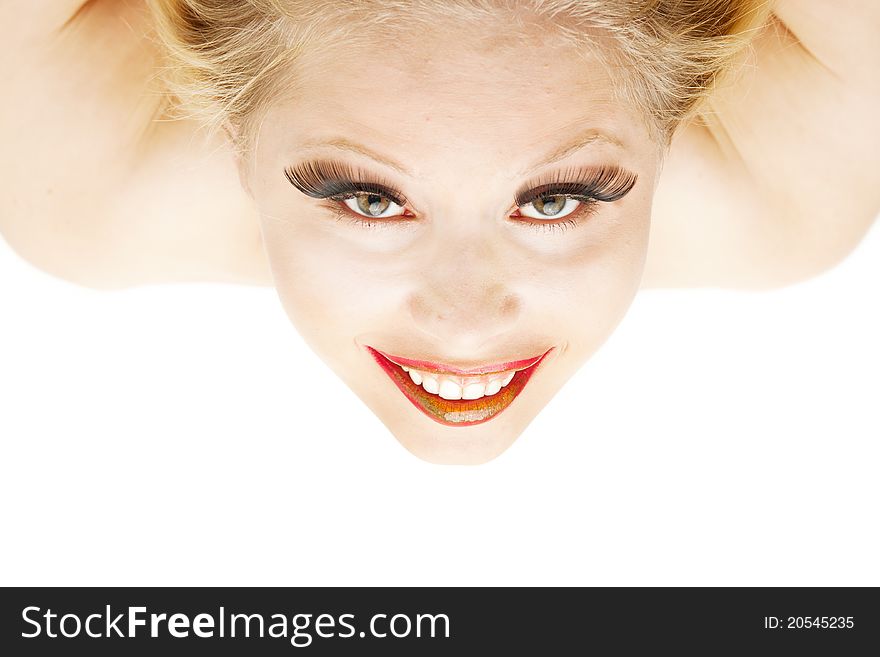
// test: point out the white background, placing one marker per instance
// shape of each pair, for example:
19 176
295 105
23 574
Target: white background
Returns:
184 435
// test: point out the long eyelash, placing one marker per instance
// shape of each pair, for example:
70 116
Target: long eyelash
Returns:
335 180
606 183
327 179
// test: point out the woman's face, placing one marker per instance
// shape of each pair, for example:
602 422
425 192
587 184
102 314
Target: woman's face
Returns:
454 224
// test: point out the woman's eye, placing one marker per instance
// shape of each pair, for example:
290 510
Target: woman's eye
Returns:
373 206
550 207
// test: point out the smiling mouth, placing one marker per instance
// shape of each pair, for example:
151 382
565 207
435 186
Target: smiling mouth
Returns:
456 397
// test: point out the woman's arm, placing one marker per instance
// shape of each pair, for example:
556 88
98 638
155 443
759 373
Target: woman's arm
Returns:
783 180
97 188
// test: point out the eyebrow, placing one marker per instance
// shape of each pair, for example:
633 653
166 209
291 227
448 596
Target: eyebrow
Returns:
343 144
587 138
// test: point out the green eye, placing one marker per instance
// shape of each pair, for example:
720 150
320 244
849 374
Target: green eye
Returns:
550 207
373 206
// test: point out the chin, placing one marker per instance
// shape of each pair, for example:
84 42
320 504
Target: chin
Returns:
456 445
430 439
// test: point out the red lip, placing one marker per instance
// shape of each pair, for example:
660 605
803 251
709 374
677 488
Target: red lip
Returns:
458 412
439 368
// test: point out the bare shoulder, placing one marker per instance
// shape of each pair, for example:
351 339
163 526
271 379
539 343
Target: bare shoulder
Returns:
97 186
780 179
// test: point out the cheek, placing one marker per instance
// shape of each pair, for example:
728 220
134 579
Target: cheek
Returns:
585 291
327 287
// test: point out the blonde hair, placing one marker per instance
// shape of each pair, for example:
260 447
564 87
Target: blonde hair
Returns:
227 60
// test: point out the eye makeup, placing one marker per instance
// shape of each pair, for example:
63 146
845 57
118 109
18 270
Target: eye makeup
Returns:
602 183
590 185
325 179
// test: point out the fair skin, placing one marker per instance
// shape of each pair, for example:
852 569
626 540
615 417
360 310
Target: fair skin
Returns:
460 283
736 200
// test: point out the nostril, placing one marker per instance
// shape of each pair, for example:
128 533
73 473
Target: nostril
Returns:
510 306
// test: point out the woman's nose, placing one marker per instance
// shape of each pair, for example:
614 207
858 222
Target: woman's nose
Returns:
465 298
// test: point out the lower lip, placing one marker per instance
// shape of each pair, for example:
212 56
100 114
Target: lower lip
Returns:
456 412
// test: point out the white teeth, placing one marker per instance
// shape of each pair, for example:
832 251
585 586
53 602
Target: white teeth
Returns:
473 391
430 384
454 387
450 390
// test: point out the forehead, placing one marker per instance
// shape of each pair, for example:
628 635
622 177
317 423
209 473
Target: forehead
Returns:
469 91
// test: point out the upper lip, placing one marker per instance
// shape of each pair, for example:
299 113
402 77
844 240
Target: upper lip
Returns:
440 368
